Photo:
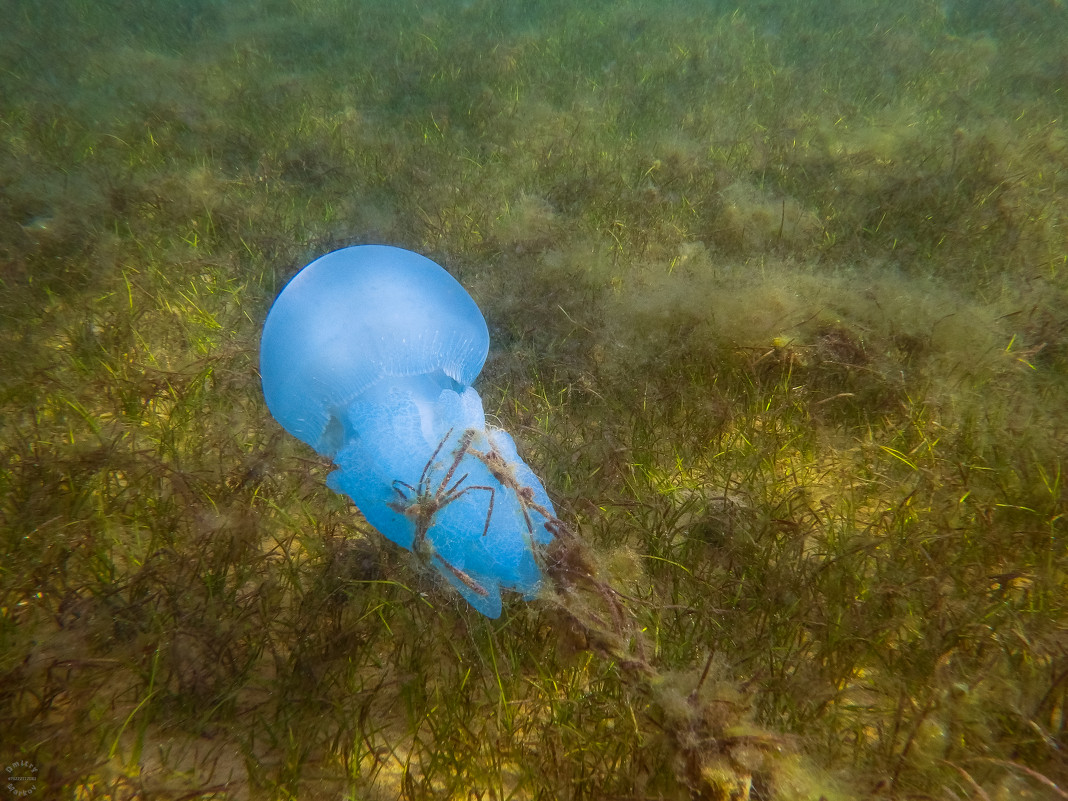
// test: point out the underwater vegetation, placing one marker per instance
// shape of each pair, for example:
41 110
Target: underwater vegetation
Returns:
774 305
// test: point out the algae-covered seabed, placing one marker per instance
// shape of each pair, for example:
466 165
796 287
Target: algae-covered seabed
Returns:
779 304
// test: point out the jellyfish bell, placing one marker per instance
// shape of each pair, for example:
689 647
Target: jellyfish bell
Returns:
355 318
367 355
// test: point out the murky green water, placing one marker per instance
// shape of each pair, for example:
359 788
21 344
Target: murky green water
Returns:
776 295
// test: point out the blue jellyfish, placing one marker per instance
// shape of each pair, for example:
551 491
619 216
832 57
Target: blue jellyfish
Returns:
368 355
